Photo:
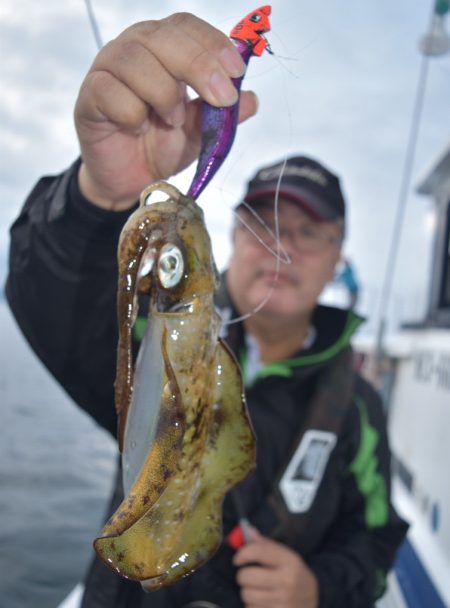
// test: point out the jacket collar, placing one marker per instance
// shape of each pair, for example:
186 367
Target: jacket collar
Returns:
334 328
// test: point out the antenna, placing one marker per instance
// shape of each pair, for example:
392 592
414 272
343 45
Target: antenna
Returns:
436 41
94 25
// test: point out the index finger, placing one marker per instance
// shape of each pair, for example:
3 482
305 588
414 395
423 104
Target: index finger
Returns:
263 551
256 577
195 52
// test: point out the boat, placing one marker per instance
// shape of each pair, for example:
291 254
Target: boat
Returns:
413 373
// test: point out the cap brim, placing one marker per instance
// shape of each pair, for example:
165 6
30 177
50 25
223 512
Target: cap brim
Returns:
315 206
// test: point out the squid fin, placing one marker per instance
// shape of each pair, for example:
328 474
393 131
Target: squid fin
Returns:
156 471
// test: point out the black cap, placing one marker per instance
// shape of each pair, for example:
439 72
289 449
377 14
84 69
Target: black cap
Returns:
304 181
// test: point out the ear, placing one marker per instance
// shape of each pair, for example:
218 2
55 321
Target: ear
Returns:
233 234
335 260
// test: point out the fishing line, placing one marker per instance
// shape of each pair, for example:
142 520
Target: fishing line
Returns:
395 240
281 254
94 25
277 256
284 58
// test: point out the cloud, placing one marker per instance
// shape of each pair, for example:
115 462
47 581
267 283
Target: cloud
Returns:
341 88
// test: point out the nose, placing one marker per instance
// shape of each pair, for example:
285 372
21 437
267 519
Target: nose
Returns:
287 240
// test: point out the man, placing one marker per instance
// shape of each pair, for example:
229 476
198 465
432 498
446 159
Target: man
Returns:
323 531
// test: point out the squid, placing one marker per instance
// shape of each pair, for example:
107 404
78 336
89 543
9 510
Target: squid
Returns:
183 427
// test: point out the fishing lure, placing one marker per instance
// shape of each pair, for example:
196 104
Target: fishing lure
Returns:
219 124
183 428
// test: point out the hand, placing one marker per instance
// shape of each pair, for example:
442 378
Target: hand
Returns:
272 575
134 121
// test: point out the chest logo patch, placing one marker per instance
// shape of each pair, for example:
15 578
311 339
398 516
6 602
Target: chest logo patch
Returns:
304 472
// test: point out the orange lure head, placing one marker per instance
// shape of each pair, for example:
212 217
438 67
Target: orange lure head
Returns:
251 29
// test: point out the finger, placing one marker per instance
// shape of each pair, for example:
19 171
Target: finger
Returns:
216 42
103 97
192 50
258 597
263 551
248 105
254 576
250 553
132 64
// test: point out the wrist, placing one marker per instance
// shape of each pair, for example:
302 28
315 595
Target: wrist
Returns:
98 197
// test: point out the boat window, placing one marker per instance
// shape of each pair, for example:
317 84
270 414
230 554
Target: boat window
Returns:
445 289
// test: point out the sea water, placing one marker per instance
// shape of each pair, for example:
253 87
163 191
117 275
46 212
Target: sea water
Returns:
56 474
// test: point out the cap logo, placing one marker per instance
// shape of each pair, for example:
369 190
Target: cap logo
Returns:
314 175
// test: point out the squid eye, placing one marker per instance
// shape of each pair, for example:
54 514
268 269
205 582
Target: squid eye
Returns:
255 18
170 265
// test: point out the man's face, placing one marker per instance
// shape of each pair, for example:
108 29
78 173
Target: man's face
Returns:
313 248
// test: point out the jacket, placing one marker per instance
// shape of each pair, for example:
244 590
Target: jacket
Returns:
322 481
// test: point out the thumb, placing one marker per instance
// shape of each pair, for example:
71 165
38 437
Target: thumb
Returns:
255 534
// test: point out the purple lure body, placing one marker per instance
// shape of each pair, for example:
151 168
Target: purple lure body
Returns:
218 132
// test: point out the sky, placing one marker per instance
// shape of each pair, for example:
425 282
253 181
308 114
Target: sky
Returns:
340 88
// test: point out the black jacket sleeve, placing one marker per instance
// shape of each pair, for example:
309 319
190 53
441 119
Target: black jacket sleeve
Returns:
62 289
360 547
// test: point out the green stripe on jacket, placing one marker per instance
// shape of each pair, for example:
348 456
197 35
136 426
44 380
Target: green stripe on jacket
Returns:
364 467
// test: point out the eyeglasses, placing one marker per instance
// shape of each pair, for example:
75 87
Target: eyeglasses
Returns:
310 237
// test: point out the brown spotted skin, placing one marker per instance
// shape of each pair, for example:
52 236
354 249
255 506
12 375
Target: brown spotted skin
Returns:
170 522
